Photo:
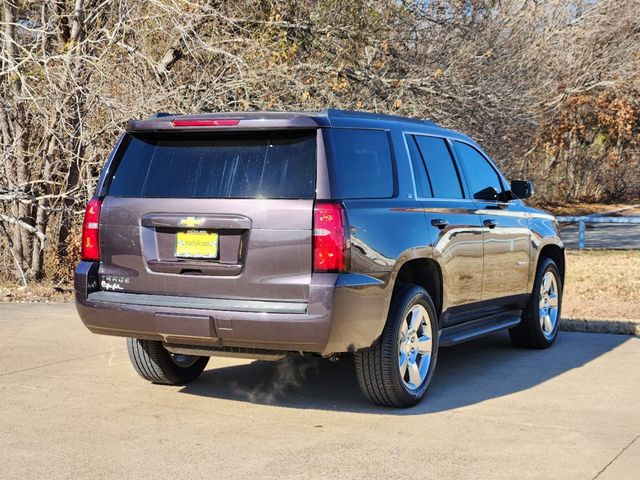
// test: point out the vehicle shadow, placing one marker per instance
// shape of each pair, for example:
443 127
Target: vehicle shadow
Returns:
466 374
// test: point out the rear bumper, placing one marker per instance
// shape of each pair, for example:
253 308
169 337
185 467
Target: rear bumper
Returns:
345 312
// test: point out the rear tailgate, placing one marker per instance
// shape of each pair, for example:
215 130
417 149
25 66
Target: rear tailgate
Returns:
211 215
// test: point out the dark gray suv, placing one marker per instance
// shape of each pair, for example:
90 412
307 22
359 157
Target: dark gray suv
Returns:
263 234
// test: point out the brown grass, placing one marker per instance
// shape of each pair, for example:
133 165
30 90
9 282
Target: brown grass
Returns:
42 292
602 284
584 208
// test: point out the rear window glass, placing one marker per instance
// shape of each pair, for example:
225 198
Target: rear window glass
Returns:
247 165
359 163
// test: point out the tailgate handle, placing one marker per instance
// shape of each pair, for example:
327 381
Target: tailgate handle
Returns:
213 222
190 271
195 267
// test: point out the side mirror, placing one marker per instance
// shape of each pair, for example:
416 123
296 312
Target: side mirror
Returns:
522 188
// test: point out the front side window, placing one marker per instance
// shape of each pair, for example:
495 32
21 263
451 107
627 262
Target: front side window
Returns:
443 175
480 174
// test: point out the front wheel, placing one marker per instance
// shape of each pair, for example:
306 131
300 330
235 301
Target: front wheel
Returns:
541 317
155 363
397 370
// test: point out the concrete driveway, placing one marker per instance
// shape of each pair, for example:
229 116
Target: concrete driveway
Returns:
72 407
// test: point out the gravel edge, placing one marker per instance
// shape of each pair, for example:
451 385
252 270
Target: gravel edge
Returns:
618 327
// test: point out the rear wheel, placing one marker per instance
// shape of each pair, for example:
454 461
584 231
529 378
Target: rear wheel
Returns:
396 371
541 317
155 363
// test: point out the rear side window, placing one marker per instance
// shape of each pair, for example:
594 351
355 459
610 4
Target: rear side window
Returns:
238 165
423 189
359 163
480 174
443 176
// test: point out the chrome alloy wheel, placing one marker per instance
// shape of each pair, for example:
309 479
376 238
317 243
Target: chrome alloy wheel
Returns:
184 361
548 306
414 347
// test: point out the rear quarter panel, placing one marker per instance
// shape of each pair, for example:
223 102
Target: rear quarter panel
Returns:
385 233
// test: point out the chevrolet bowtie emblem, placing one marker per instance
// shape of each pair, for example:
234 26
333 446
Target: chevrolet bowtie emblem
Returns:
191 222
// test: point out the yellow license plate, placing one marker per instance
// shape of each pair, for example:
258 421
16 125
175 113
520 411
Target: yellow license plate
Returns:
197 244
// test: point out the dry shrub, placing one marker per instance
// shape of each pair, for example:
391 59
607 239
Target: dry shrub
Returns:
60 263
590 149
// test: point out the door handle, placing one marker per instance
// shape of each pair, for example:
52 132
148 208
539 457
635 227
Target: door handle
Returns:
490 222
439 222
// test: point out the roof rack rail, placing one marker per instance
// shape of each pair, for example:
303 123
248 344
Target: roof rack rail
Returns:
335 112
162 114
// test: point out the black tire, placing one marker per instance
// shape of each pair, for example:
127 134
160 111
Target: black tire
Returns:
377 367
154 363
529 332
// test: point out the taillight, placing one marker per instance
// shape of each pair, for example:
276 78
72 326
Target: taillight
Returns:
90 245
208 122
330 242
